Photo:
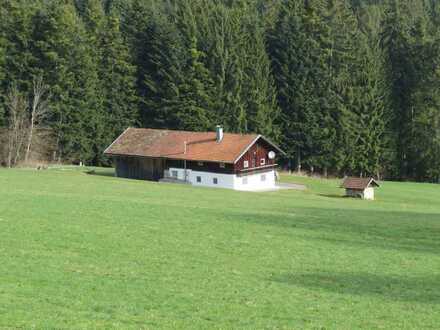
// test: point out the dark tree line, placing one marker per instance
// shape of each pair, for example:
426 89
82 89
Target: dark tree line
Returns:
346 87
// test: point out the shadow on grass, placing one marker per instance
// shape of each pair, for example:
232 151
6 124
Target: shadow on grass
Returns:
101 173
423 289
404 231
333 196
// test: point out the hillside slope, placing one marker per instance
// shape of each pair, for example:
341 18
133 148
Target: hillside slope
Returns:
89 251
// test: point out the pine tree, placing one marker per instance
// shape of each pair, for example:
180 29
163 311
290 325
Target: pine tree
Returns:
2 64
17 59
116 107
196 97
300 49
117 77
425 104
159 56
196 86
66 61
400 74
259 87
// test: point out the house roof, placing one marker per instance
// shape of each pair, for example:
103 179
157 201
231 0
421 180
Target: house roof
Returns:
359 183
200 146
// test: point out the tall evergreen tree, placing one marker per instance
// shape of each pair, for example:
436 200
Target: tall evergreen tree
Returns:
300 48
116 107
67 64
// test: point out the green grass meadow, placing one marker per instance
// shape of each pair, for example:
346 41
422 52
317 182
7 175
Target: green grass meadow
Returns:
82 250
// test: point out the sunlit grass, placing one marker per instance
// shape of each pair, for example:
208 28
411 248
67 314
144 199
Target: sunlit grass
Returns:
85 250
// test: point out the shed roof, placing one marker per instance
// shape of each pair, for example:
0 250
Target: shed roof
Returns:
200 146
359 183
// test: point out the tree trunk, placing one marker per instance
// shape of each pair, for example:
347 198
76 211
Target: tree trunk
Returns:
10 147
29 142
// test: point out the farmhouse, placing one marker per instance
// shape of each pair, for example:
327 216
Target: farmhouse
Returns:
214 159
360 187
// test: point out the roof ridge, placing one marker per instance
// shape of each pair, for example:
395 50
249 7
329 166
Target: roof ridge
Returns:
191 132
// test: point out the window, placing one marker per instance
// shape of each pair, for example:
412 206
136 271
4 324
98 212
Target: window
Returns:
244 180
215 180
199 179
222 165
200 163
263 177
174 174
246 164
253 162
263 161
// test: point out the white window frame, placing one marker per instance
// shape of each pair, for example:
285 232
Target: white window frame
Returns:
214 180
200 163
199 179
174 174
246 164
263 161
222 165
244 180
263 177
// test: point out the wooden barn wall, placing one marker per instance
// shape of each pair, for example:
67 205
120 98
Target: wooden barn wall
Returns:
139 168
254 155
206 167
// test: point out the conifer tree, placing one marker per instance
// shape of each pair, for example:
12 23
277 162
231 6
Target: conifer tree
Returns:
300 55
116 103
67 64
196 93
117 76
259 87
400 74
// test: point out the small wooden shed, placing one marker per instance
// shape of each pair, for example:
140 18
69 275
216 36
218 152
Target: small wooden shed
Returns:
360 187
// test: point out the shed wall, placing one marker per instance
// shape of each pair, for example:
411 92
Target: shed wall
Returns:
139 168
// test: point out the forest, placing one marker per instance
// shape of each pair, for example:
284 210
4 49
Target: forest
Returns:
345 87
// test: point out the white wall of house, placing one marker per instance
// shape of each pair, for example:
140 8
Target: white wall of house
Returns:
251 182
367 193
255 182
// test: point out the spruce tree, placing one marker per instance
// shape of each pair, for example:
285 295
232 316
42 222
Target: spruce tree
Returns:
159 57
400 74
300 51
65 59
116 103
196 93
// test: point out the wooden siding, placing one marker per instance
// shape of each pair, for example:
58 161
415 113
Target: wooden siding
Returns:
139 168
258 151
202 166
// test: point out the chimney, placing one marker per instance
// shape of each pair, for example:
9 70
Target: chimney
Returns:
219 133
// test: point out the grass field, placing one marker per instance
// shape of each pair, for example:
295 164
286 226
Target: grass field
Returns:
93 251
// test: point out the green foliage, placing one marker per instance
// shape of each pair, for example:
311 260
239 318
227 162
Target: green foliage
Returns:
345 86
116 104
66 59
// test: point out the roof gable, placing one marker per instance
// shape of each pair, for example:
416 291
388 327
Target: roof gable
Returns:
359 183
258 138
197 146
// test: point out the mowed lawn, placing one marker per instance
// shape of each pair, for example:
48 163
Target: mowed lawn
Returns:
94 251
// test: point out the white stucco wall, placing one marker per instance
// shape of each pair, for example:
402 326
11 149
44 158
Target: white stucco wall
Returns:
254 181
229 181
369 193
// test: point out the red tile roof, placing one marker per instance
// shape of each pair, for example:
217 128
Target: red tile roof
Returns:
200 146
359 183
